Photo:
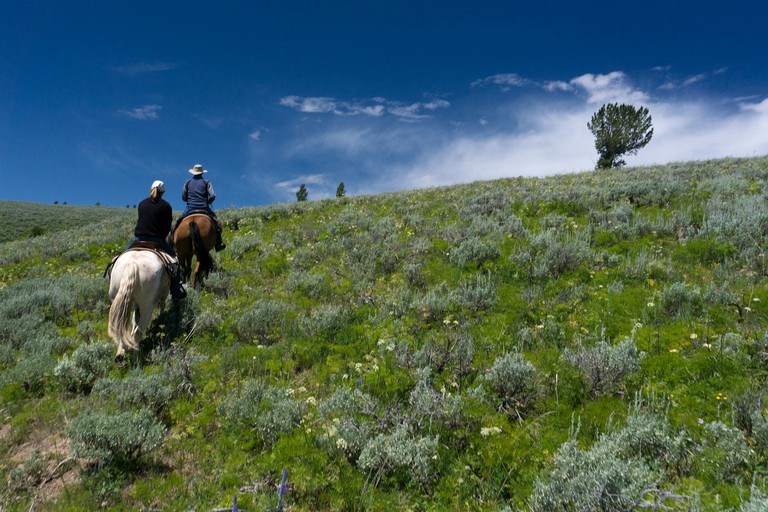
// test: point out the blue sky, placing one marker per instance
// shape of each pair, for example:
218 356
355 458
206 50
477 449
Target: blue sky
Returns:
99 99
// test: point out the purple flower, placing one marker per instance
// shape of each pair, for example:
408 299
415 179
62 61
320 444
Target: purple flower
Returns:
283 484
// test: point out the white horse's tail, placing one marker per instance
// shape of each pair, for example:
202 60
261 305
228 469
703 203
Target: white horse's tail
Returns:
121 310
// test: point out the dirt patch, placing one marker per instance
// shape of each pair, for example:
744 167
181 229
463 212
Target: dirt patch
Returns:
5 433
61 470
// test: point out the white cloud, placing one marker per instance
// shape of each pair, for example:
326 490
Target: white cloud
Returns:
310 105
692 80
413 111
377 107
557 85
552 143
255 135
760 108
609 88
536 138
143 112
555 139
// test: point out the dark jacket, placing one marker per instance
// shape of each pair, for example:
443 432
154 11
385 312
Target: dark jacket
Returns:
198 193
155 219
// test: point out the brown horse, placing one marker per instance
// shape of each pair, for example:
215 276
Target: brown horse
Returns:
195 235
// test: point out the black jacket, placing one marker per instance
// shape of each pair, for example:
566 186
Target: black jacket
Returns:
154 219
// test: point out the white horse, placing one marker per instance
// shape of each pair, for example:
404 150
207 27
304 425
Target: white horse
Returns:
138 283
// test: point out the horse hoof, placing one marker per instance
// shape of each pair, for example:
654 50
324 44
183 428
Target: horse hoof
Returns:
120 360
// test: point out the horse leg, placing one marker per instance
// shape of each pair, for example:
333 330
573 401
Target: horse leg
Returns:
196 275
120 356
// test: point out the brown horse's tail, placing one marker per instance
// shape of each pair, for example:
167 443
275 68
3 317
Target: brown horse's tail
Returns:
121 310
201 253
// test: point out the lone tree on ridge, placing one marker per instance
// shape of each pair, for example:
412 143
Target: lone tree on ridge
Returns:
302 194
619 130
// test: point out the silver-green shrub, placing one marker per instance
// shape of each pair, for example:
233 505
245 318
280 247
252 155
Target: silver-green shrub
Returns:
27 475
309 283
33 372
262 321
347 422
757 502
477 293
622 471
605 365
724 451
269 410
679 299
553 253
137 390
401 451
245 243
435 304
123 436
326 320
475 250
84 366
515 382
414 272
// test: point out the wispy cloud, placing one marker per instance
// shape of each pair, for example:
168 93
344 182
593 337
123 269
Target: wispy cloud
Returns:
673 84
600 88
507 138
293 184
144 112
505 80
142 68
376 107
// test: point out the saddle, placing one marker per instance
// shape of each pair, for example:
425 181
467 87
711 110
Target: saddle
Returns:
170 264
199 211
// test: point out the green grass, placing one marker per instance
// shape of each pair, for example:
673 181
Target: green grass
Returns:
29 220
402 303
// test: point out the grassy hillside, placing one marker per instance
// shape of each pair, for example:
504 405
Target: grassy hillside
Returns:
27 220
594 341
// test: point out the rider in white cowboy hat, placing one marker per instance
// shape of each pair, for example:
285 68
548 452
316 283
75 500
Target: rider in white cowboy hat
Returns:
153 225
198 193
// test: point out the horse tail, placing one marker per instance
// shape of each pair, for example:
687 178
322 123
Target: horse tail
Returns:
121 310
201 253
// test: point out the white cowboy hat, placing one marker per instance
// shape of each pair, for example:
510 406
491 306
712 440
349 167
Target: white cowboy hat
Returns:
159 185
197 169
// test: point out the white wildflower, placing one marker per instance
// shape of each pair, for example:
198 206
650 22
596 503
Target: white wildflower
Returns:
489 431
